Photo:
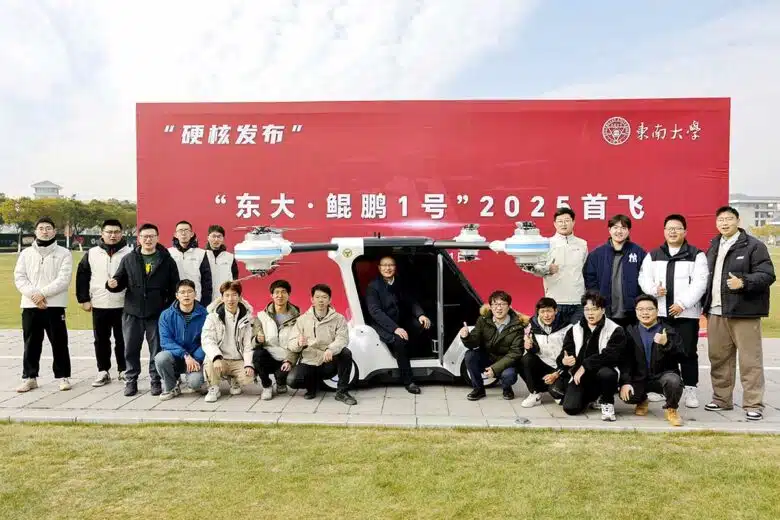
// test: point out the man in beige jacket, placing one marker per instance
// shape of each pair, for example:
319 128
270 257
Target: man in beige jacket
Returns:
321 339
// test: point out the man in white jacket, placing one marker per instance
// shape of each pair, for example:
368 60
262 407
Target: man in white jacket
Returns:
42 275
192 261
222 262
562 269
676 273
276 327
228 342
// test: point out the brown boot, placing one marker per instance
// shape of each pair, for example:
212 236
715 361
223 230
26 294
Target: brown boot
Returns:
673 417
642 408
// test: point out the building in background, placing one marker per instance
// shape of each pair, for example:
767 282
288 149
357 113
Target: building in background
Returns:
46 190
756 211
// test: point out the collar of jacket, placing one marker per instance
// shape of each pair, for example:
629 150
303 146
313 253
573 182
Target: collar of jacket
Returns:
192 244
686 252
294 311
111 249
197 310
742 239
626 245
599 325
216 251
242 311
328 316
159 249
557 324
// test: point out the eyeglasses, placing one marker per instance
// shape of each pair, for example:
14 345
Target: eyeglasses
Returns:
645 309
591 309
147 237
386 265
108 232
674 229
499 304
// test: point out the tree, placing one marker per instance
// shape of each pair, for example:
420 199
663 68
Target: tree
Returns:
21 213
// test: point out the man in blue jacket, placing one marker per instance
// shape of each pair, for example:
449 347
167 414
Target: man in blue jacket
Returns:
181 325
613 270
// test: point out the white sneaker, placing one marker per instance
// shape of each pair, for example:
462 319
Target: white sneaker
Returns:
28 384
121 376
213 394
532 400
267 394
691 399
608 412
175 392
65 384
235 388
102 378
655 398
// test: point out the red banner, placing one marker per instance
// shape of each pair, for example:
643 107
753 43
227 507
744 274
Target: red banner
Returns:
426 168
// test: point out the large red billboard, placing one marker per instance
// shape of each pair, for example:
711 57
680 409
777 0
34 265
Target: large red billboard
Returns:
426 168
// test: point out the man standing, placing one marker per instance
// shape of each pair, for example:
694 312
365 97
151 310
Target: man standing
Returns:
228 341
396 316
276 327
181 326
562 270
653 352
737 297
96 267
321 339
222 263
494 345
676 273
612 269
149 276
191 261
42 275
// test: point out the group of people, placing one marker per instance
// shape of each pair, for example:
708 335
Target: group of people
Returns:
613 320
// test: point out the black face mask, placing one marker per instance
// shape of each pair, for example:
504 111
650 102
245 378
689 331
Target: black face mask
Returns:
45 243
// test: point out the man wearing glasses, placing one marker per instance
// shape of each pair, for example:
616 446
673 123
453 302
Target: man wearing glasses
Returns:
96 267
737 297
149 276
612 269
192 262
676 274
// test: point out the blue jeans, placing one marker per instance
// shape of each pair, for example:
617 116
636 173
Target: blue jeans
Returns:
169 369
571 313
476 363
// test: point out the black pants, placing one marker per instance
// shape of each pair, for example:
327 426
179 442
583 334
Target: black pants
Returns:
341 364
104 322
402 349
592 385
134 330
51 321
265 365
533 370
570 313
668 383
688 329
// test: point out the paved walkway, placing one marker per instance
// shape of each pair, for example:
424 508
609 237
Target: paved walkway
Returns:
437 406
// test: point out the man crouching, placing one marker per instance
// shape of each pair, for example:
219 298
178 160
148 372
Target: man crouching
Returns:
321 338
228 341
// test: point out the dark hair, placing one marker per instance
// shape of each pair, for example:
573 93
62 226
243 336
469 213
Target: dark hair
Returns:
545 303
217 228
322 288
188 283
594 297
280 284
564 211
45 220
500 295
230 285
183 222
646 298
729 209
146 226
677 217
619 219
111 222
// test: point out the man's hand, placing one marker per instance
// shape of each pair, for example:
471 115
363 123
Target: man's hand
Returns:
528 342
675 310
425 322
660 291
578 375
260 336
194 366
37 298
87 306
489 372
401 333
113 283
661 338
734 283
249 372
302 341
626 391
551 378
569 360
286 366
328 357
553 268
464 332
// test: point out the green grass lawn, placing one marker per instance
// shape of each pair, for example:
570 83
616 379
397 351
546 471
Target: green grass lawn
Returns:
10 314
189 471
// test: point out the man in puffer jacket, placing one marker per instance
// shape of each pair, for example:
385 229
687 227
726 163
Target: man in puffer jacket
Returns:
321 339
228 341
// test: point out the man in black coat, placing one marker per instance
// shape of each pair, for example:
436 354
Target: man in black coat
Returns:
737 297
651 361
150 276
396 316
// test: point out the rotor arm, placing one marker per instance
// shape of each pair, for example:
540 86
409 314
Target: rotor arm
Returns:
308 247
